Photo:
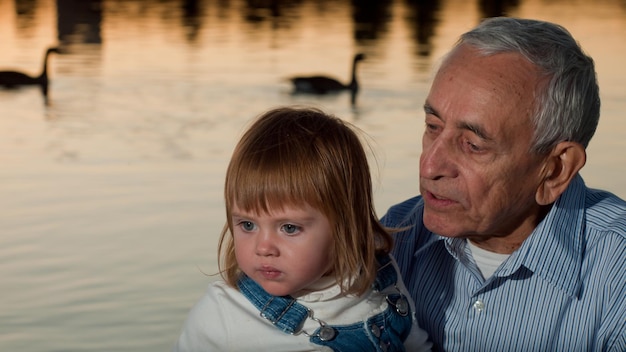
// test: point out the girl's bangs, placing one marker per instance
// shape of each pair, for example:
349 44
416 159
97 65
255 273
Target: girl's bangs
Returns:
261 186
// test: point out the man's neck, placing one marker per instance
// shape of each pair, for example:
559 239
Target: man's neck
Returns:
509 243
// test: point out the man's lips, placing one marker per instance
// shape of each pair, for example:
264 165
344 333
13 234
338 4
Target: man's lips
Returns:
437 200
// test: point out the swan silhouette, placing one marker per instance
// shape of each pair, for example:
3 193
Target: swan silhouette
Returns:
324 84
15 79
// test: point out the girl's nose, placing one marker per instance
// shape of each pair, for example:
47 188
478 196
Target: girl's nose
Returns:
266 244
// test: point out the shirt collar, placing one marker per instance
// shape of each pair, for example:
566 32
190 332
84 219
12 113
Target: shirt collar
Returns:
326 289
554 250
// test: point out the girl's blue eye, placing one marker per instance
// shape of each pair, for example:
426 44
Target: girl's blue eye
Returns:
291 229
247 225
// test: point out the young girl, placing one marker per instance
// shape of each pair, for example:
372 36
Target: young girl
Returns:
304 259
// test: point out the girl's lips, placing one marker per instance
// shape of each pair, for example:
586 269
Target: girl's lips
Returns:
269 272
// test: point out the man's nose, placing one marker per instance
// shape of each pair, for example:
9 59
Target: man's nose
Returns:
438 158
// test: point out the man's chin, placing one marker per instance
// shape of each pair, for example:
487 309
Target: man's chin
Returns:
440 225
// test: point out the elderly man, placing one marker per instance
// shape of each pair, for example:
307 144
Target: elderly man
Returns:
506 249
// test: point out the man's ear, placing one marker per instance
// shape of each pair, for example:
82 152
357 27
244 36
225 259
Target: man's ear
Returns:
561 165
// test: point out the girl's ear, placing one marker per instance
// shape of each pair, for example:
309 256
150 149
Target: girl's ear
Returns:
561 165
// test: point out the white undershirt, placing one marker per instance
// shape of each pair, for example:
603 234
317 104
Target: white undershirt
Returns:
486 261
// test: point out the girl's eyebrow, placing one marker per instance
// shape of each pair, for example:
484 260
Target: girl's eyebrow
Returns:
239 215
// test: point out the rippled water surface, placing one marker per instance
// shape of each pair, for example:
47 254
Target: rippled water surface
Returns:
110 194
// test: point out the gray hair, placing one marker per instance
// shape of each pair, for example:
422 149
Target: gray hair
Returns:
568 107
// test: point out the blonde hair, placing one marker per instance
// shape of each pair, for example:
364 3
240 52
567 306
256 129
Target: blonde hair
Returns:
297 156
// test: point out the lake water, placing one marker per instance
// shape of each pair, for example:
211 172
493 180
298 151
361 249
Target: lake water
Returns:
111 193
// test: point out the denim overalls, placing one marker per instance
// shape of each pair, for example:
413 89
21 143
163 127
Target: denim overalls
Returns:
384 332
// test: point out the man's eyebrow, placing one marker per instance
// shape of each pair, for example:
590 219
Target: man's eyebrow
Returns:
472 127
476 129
429 110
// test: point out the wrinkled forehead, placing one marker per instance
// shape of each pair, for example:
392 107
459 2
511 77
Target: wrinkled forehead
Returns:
500 67
505 80
494 93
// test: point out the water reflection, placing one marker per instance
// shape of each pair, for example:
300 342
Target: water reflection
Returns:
371 19
256 11
273 15
192 18
25 13
79 21
495 8
423 19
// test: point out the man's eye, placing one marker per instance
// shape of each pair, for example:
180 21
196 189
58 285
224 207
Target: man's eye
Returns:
291 229
473 147
431 127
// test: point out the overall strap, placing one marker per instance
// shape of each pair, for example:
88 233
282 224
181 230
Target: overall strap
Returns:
283 311
288 315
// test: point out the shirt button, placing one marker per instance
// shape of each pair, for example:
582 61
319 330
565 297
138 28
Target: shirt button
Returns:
383 346
375 330
479 305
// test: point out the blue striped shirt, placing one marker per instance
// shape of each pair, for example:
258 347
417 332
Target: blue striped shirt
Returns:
564 289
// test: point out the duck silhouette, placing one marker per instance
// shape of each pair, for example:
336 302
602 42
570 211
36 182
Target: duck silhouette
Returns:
15 79
323 84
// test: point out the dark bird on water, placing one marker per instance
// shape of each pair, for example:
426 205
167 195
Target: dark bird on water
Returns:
15 79
323 84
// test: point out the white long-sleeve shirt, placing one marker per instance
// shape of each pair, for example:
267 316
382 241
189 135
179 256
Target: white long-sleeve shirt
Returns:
224 320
